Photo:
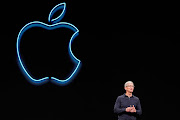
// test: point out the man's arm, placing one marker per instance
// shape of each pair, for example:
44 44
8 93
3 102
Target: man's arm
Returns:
138 108
117 108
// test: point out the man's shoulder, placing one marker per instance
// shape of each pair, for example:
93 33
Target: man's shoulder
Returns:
135 97
121 96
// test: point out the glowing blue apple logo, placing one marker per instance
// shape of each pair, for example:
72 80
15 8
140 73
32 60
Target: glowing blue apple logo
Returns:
55 24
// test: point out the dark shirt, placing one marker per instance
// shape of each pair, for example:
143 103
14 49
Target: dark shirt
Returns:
122 102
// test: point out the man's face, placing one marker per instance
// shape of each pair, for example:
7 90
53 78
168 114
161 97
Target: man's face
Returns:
129 87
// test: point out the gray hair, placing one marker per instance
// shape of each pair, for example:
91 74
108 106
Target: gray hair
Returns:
126 84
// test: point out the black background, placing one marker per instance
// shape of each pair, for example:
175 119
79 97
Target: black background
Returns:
117 42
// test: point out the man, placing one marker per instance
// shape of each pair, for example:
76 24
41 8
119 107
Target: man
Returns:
128 106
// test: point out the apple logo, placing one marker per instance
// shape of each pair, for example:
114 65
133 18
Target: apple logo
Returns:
55 24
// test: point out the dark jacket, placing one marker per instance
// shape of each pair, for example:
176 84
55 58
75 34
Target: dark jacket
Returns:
122 102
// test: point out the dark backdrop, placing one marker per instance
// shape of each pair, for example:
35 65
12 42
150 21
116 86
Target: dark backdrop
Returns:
117 42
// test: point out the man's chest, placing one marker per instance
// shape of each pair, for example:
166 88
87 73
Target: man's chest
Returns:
127 102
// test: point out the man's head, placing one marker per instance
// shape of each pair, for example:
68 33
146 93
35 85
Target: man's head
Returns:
129 86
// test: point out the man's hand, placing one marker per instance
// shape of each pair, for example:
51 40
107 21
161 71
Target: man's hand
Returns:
128 109
133 110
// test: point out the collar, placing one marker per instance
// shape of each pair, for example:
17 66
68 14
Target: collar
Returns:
127 96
